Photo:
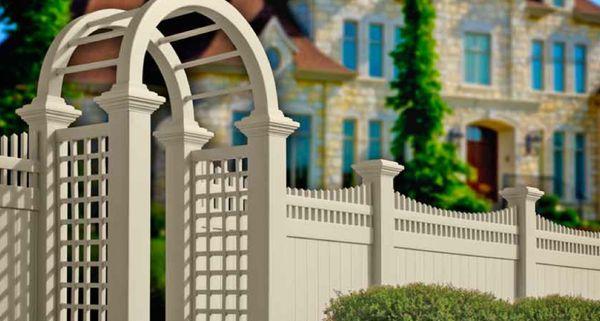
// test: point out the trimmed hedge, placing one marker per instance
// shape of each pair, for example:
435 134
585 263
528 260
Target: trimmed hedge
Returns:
420 302
557 308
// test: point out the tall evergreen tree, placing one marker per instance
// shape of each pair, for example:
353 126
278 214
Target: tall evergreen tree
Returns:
435 174
36 23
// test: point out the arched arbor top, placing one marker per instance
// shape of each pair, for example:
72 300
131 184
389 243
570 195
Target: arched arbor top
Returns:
139 31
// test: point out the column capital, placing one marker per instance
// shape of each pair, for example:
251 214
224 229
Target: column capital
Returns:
261 125
372 169
49 109
129 97
521 193
189 132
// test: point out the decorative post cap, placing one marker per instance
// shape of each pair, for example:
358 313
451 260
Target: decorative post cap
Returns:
189 132
377 168
133 97
49 108
260 124
517 193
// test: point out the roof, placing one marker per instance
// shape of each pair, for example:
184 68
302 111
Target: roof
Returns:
582 8
587 6
310 61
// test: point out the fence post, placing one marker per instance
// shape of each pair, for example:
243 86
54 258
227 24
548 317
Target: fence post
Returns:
523 199
269 281
46 115
179 143
129 108
380 175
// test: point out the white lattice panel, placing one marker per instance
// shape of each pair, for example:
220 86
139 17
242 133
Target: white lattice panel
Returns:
221 245
83 225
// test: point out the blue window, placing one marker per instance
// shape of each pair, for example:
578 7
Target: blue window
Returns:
349 152
580 68
376 50
558 3
559 160
350 47
580 169
477 58
397 41
537 65
375 139
558 61
299 153
237 137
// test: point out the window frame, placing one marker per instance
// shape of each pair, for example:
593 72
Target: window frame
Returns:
542 65
291 163
580 182
490 55
379 140
585 65
382 48
354 144
355 40
558 187
563 61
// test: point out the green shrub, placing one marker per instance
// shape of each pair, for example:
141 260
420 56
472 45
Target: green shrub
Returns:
418 302
556 308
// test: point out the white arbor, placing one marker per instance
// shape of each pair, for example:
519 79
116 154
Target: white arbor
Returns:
75 201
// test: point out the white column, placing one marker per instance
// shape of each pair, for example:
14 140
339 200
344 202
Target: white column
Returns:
269 281
129 109
380 175
45 116
524 199
179 143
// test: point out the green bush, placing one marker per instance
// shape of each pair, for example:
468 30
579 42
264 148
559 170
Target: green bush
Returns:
556 308
418 302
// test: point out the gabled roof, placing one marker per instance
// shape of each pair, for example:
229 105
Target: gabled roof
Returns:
587 6
584 9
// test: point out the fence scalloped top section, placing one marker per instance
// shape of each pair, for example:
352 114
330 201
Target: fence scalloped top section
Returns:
505 216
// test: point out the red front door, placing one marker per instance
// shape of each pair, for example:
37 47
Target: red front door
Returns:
482 155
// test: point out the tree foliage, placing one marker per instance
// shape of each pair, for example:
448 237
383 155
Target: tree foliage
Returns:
36 23
435 174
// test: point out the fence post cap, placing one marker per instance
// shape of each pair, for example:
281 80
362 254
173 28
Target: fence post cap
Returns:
49 108
189 132
133 97
261 124
377 167
521 192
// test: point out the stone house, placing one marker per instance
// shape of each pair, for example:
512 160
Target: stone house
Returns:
522 78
